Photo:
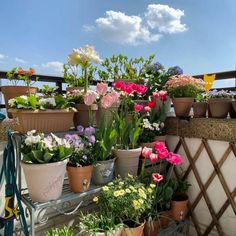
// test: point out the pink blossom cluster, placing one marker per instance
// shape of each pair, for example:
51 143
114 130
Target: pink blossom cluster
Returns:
162 95
183 80
130 87
163 153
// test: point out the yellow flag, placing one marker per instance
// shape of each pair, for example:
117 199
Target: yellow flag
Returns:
209 79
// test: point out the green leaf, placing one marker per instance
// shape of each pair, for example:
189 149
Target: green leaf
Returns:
38 155
47 156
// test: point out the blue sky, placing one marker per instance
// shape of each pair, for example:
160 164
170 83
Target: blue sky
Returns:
198 35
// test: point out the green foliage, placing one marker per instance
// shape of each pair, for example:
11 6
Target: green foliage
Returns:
48 90
201 97
94 223
121 67
65 231
38 149
106 138
189 90
180 186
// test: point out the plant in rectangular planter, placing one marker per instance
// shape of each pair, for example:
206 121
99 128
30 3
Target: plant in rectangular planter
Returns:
80 166
183 89
52 114
14 90
44 165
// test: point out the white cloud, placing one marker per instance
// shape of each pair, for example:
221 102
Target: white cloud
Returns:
20 60
54 65
88 28
2 56
121 28
164 18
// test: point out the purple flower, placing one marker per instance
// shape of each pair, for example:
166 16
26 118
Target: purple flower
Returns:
155 68
91 139
89 131
175 70
80 129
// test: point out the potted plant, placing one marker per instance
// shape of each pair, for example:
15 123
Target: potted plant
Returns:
65 231
48 91
219 103
200 106
52 114
44 165
127 199
80 166
161 184
14 90
179 203
99 225
183 89
82 59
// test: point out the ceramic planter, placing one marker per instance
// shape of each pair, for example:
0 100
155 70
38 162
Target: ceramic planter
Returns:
103 171
179 207
44 121
199 109
44 181
182 106
136 231
219 107
79 178
15 91
81 117
127 161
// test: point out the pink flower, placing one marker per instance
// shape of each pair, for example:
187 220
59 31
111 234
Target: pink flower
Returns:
175 159
157 178
159 145
155 95
141 89
138 107
115 97
90 98
151 104
146 152
153 157
129 89
119 85
163 153
147 109
102 88
107 101
163 95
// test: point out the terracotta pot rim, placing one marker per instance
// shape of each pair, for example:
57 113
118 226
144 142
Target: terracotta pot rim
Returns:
78 167
219 99
38 111
43 164
94 107
140 225
19 86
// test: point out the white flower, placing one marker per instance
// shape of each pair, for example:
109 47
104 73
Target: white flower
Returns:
24 97
11 102
32 140
31 132
44 101
162 125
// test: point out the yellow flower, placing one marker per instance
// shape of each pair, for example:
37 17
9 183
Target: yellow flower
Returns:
130 176
121 192
116 193
142 193
152 185
110 184
141 201
149 190
95 199
136 204
105 188
128 190
121 183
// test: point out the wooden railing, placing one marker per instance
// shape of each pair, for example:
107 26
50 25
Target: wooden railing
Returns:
58 80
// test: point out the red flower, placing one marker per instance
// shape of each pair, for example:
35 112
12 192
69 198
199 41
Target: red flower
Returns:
119 85
175 159
157 178
141 89
163 95
138 107
21 72
153 158
146 152
163 153
159 145
151 104
128 89
31 72
155 95
147 109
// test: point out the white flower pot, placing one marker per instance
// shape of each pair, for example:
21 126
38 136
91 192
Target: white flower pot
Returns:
44 181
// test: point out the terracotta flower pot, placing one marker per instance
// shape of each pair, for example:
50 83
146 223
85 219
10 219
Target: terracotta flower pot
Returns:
219 107
106 113
232 111
182 106
79 178
81 117
15 91
103 171
199 109
44 121
137 231
44 181
179 207
127 161
70 89
160 138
